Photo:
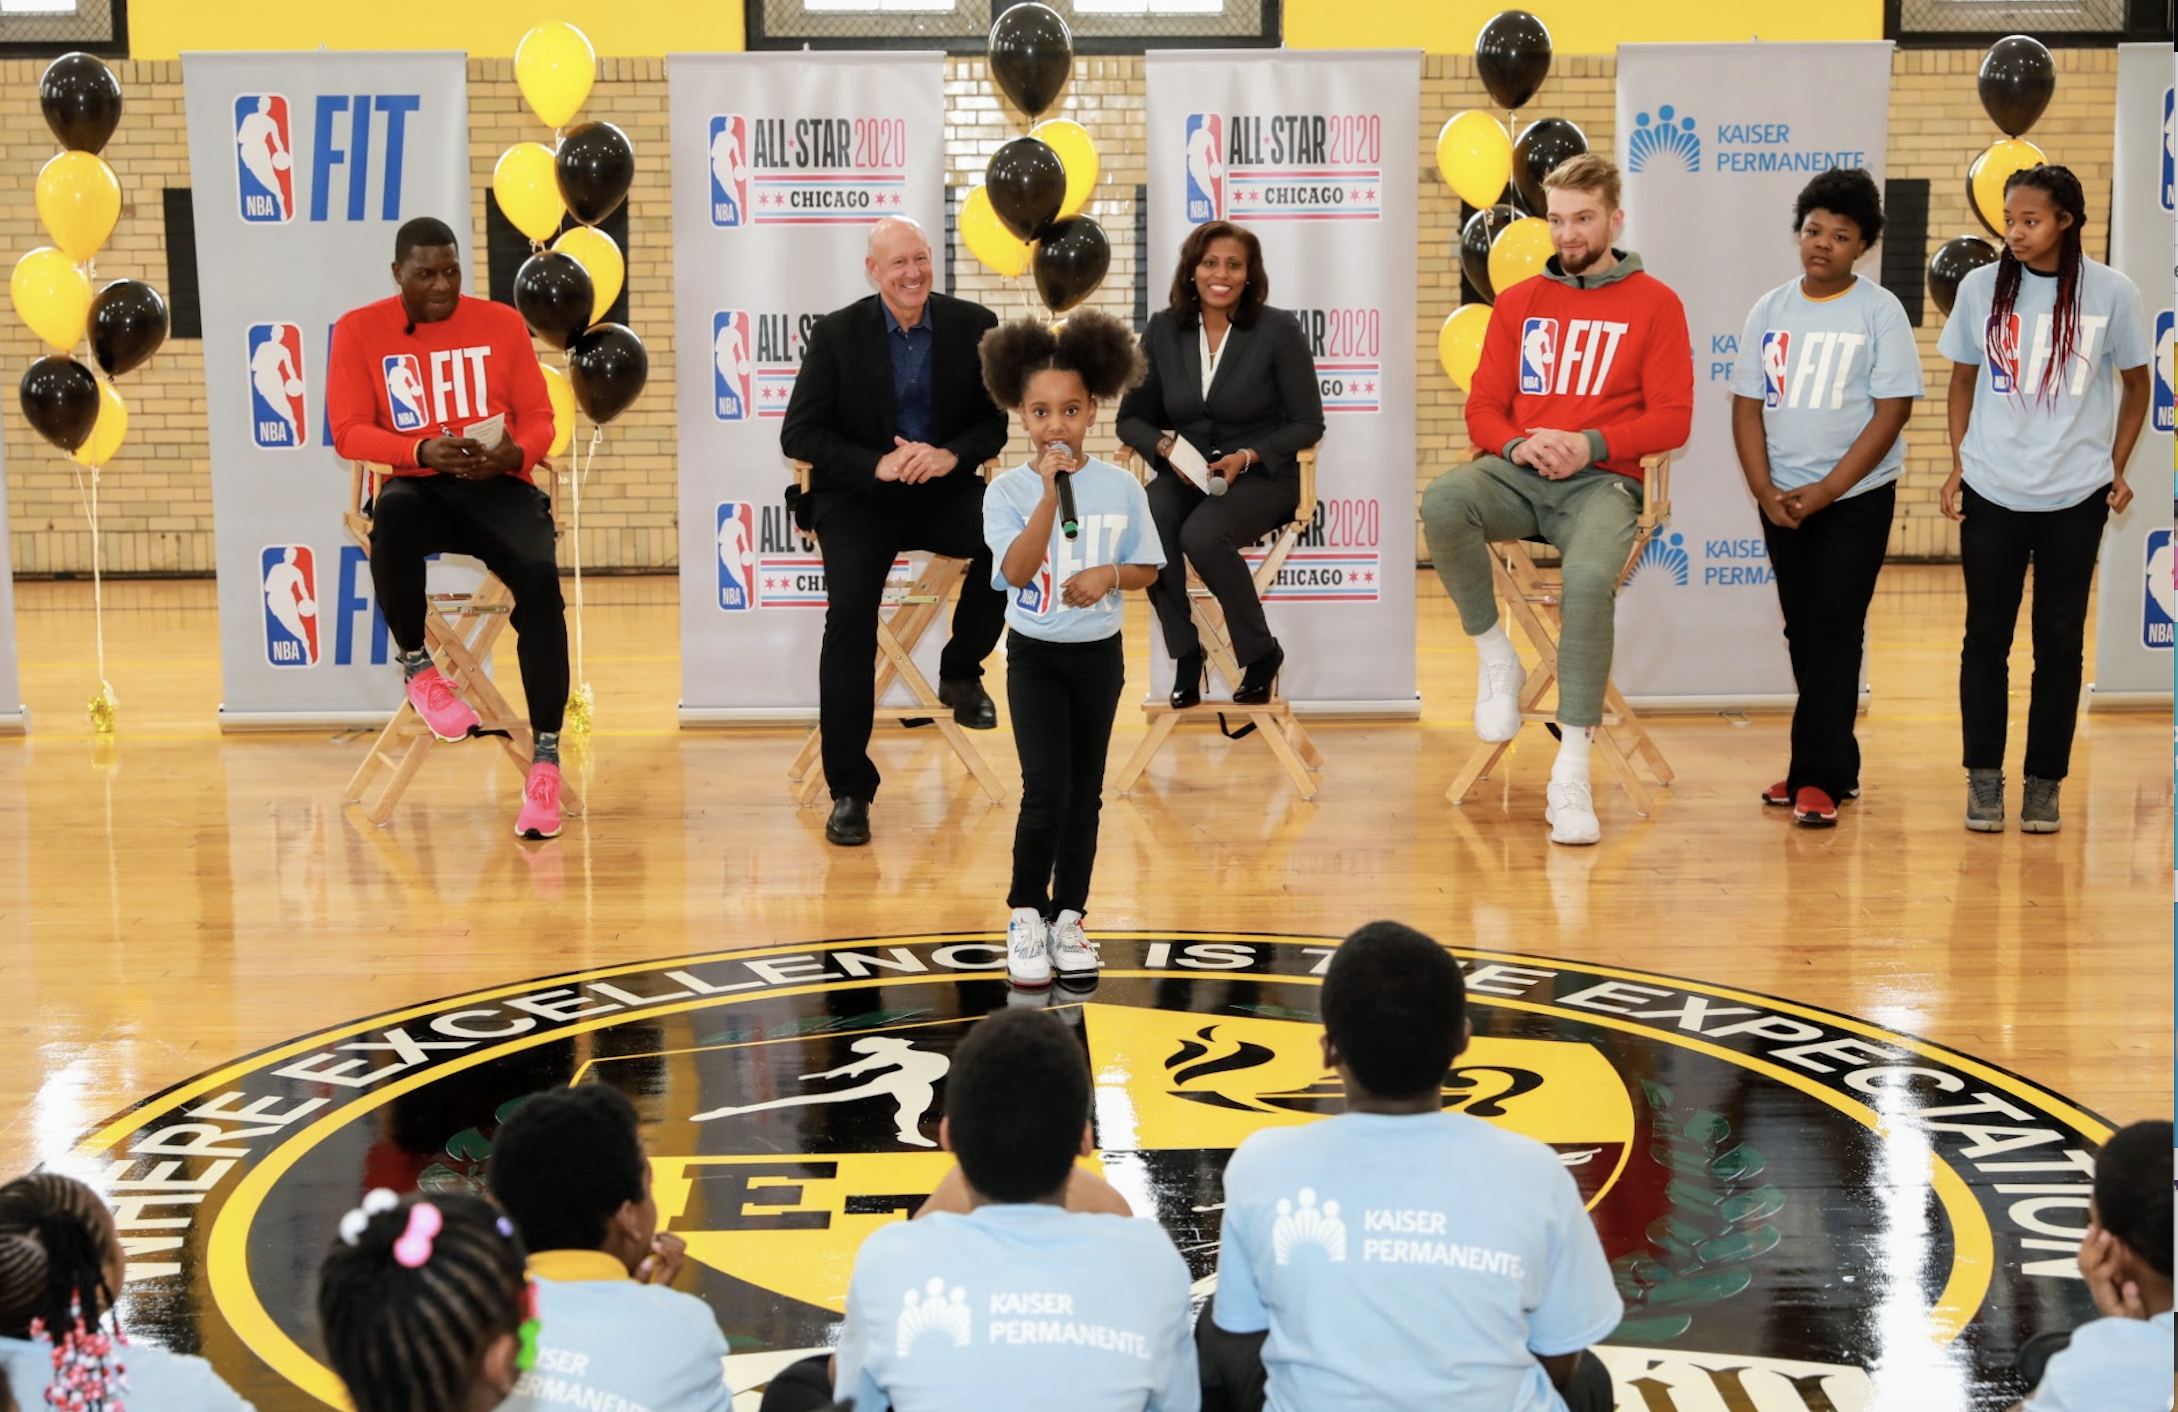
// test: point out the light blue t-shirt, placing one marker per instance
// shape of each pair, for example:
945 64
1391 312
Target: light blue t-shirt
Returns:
1115 529
1018 1306
604 1340
158 1381
2025 450
1818 366
1409 1261
2111 1365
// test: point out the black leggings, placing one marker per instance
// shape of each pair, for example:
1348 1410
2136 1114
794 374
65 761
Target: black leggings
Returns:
507 523
1062 696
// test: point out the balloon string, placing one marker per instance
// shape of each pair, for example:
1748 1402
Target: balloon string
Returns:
98 590
582 466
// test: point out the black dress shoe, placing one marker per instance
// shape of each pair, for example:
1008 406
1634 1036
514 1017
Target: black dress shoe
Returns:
972 705
1261 675
1187 681
849 826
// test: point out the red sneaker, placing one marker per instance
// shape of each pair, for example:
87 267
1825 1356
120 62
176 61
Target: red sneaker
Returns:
1777 797
1814 809
540 817
448 716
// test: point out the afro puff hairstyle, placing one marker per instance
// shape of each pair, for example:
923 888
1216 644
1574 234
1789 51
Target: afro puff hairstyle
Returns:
1100 348
1843 191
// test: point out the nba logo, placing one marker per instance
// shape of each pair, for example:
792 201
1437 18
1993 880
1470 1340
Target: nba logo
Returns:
729 170
404 390
2170 177
288 578
2166 372
732 367
2002 345
736 556
264 158
1205 168
2158 613
276 385
1776 345
1538 354
1034 597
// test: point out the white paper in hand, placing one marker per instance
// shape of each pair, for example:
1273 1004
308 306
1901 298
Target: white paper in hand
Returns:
489 432
1185 459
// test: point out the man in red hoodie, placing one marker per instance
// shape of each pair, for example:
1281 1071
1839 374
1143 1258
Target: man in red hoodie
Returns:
1586 368
410 377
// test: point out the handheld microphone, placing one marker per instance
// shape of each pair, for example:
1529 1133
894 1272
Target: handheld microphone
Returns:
1069 522
1216 484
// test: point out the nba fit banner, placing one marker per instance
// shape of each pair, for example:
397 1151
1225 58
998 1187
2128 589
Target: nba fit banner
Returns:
781 163
2135 617
303 167
1715 141
1314 153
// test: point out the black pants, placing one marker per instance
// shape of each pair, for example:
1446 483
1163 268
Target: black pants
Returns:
507 523
859 539
1826 576
800 1387
1995 547
1209 532
1063 696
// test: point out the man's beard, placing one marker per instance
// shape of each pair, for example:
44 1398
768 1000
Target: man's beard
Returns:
1587 262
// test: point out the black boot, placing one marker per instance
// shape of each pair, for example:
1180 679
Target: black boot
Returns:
1262 674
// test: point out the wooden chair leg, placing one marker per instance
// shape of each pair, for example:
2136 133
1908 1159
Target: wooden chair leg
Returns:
1267 725
970 756
1160 730
1304 745
1480 761
1614 755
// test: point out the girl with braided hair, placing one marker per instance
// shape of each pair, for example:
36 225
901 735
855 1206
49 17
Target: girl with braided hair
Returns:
61 1344
1069 534
2049 387
424 1306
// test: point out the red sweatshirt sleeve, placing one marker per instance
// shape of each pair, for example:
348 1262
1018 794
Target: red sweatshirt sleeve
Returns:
529 403
351 399
1666 417
1489 401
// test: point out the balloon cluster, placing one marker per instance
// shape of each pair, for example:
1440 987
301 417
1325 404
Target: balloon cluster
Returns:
1504 241
1027 216
2016 80
563 293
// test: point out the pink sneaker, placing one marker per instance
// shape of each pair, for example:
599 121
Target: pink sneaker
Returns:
540 817
448 716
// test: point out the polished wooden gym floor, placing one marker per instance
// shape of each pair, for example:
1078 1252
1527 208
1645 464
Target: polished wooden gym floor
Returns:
171 898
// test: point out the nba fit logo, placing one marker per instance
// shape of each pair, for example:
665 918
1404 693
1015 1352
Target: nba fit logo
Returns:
1579 365
404 391
1205 168
1668 142
729 170
276 386
2001 343
733 365
288 577
2170 167
1818 368
736 556
2158 610
362 135
1776 351
265 157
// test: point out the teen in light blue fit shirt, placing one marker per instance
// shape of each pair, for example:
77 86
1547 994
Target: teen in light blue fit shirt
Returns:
1400 1255
2041 344
1826 377
1064 668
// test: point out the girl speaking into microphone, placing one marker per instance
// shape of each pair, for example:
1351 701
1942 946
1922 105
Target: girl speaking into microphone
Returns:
1069 534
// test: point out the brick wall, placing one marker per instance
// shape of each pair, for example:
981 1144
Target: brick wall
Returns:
156 501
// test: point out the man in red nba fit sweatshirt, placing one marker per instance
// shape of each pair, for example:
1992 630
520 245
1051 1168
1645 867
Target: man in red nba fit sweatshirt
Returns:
1586 368
407 376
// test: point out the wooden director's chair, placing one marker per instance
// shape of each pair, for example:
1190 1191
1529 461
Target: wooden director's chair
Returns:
459 630
914 608
1274 720
1533 598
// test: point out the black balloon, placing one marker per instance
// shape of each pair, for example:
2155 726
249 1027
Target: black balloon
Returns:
1032 51
2017 78
555 297
607 366
1543 144
1476 237
81 100
1070 262
595 164
1512 54
60 401
128 323
1953 261
1027 182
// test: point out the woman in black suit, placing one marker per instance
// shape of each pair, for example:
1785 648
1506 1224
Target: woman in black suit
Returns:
1235 378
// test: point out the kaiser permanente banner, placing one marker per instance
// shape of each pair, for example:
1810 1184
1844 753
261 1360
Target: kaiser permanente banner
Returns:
781 162
1315 154
303 167
14 716
1715 141
2135 617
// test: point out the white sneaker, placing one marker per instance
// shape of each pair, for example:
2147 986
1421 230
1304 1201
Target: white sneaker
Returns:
1571 812
1497 698
1028 955
1071 949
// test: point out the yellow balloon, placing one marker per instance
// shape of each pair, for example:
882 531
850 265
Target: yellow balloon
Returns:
52 295
989 240
1459 343
1986 177
529 189
111 429
554 66
1077 154
1519 253
79 199
563 408
1475 157
594 250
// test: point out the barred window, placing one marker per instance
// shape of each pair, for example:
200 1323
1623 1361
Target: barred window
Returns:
45 28
961 26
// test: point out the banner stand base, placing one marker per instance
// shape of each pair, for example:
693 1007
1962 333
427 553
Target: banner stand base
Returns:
1705 705
730 717
2100 700
15 722
245 722
1396 709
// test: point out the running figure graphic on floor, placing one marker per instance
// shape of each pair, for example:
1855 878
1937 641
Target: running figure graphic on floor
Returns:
909 1076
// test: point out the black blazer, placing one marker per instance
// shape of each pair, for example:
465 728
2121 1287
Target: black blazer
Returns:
1264 395
841 417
